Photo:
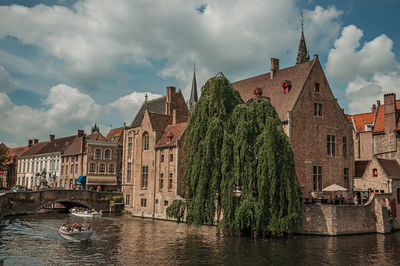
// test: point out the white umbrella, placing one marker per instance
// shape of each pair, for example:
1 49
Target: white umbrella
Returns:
333 188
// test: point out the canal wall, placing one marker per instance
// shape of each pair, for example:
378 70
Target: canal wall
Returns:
324 219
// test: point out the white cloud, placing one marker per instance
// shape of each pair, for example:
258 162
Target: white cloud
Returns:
348 60
6 83
95 36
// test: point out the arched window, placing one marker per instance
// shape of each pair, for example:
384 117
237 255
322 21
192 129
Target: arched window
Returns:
102 168
145 141
97 153
92 168
111 168
375 172
107 154
130 145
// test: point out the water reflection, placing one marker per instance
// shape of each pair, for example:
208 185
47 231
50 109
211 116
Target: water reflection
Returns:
125 240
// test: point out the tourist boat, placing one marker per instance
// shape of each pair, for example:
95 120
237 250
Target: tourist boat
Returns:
75 236
87 215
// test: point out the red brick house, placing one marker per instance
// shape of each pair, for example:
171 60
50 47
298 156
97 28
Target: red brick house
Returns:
320 134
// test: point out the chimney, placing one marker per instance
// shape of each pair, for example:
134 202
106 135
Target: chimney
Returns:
30 142
373 108
390 112
315 57
378 103
51 137
170 103
174 118
35 141
80 132
274 67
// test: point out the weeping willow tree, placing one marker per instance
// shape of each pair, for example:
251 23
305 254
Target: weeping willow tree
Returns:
231 145
204 139
258 159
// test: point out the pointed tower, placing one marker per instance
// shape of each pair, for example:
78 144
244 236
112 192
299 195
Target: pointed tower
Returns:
302 54
95 129
193 93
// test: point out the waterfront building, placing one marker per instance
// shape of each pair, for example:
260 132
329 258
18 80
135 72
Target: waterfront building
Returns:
39 156
93 158
319 132
10 174
152 159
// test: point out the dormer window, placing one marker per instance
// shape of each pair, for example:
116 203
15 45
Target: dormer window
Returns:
375 172
316 87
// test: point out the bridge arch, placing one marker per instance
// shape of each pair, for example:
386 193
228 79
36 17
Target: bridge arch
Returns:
67 203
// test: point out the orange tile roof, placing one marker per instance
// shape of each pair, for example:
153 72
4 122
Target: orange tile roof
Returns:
34 149
272 88
14 152
115 134
174 132
380 118
360 120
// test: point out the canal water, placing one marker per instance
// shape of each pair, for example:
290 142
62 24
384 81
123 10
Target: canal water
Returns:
124 240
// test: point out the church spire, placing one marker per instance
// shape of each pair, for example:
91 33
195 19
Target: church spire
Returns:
193 93
302 54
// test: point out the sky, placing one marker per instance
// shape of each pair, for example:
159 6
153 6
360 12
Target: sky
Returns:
67 64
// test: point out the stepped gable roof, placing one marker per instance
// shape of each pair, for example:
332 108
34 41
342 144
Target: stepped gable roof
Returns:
272 88
175 133
380 118
154 106
75 147
114 135
34 149
360 120
391 168
160 121
57 145
360 167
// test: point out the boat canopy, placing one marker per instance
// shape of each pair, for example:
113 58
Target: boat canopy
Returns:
81 179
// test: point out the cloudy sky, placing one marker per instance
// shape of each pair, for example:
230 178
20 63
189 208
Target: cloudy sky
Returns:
67 64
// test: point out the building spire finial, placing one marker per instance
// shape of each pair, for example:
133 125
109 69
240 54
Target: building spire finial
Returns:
302 54
193 93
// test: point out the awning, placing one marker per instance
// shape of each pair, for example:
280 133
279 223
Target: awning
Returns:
81 179
101 180
333 188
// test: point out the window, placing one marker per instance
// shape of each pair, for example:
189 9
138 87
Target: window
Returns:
317 109
111 168
102 168
171 157
162 158
70 184
316 87
57 165
107 154
66 159
161 181
62 169
375 172
97 153
76 158
41 166
346 178
143 202
62 159
66 169
37 166
92 168
170 182
317 174
72 169
145 176
127 199
76 168
344 147
398 195
128 173
330 141
165 202
130 145
146 141
24 167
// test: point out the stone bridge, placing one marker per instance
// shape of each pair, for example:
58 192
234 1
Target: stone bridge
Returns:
19 203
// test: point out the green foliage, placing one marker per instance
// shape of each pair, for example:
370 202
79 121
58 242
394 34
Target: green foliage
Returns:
118 199
231 145
4 155
177 210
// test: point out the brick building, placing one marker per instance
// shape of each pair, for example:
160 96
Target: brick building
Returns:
10 174
152 168
93 157
320 134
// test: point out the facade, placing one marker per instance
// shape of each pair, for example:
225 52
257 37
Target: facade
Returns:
94 158
10 174
39 156
152 167
319 132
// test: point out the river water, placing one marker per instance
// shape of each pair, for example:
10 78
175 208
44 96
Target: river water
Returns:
124 240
